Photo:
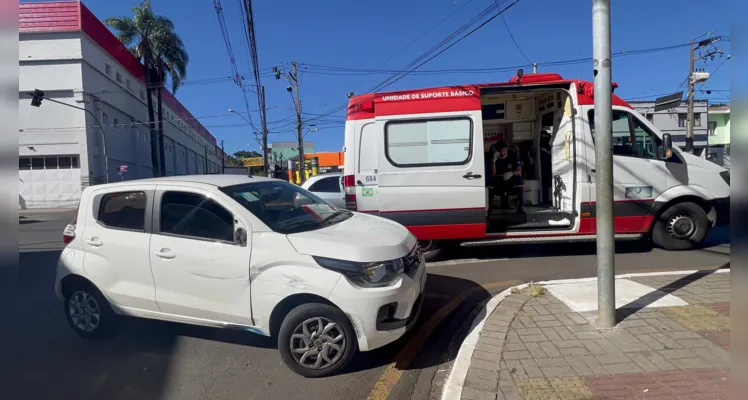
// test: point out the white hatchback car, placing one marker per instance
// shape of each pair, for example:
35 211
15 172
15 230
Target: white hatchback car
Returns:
254 254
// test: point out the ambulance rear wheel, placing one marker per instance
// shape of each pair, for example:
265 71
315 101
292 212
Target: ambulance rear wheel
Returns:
683 226
431 250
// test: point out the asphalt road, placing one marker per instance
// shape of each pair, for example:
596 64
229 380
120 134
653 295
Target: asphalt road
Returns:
42 358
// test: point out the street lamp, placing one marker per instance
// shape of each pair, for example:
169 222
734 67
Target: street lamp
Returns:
232 111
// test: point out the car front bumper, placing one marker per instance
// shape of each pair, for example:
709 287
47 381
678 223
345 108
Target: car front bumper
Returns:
382 315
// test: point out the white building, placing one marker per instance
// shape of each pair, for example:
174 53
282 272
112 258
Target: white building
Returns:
69 54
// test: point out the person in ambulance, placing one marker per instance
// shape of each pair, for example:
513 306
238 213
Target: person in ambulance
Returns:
506 170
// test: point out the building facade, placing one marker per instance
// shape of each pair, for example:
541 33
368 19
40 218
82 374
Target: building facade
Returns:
673 121
719 134
68 53
280 152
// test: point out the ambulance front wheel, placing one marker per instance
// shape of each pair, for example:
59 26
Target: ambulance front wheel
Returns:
683 226
431 250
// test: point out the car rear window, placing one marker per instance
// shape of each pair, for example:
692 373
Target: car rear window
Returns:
124 210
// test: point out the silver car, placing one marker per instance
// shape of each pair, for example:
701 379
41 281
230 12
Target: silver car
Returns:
328 187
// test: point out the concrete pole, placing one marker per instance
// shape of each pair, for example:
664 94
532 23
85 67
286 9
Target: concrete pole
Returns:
265 164
606 296
689 118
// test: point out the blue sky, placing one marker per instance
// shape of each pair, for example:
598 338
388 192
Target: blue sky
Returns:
364 34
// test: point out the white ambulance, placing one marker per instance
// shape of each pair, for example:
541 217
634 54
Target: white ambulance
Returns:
418 157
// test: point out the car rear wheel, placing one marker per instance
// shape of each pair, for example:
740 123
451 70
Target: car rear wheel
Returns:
683 226
316 340
89 313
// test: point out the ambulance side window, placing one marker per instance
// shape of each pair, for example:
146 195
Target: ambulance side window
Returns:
418 143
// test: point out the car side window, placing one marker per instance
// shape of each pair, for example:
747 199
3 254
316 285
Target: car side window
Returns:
124 210
631 137
196 216
326 185
646 142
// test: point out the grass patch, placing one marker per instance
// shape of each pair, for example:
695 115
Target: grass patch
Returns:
514 290
536 290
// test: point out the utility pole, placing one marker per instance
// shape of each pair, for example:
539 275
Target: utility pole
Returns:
603 89
692 82
265 164
293 78
534 68
299 126
223 159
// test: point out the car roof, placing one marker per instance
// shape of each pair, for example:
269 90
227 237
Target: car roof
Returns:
218 180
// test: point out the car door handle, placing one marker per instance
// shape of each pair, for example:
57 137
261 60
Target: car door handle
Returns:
94 241
165 254
592 170
470 175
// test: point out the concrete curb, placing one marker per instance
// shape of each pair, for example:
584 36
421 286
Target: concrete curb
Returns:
456 379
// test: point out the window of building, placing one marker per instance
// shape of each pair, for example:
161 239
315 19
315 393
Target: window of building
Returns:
683 120
123 211
432 142
37 163
127 84
650 118
104 119
119 77
116 122
47 162
712 127
107 69
142 95
50 162
195 216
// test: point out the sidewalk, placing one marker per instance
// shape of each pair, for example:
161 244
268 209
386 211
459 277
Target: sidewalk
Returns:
672 342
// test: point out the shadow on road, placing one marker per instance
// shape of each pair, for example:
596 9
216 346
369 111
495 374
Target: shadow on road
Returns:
634 306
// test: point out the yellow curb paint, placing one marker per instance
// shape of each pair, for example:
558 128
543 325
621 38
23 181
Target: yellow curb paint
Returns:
402 360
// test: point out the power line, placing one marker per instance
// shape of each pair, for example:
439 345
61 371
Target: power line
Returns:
509 31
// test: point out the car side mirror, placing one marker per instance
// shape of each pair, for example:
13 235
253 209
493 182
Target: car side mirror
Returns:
240 237
667 146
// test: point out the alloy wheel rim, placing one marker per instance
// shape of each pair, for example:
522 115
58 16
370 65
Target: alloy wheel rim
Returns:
84 311
681 226
318 343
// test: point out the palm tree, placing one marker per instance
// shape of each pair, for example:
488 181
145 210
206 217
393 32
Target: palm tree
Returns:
151 38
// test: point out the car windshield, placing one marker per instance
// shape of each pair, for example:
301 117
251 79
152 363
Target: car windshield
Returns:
284 207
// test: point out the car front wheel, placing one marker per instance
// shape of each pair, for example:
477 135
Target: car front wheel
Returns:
316 340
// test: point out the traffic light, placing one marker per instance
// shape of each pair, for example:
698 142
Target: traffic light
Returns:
37 97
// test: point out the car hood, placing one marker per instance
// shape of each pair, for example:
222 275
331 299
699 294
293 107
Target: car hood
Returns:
362 238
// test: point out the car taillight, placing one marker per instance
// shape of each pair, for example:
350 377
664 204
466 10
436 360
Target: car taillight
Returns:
69 233
349 183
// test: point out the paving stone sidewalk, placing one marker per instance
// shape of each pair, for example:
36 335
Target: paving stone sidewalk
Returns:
538 348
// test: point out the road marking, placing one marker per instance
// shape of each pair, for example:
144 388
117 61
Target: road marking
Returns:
456 378
395 370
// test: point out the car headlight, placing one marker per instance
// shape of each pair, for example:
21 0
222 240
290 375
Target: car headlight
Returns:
726 176
374 274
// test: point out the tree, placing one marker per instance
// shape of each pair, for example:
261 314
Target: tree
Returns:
151 38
